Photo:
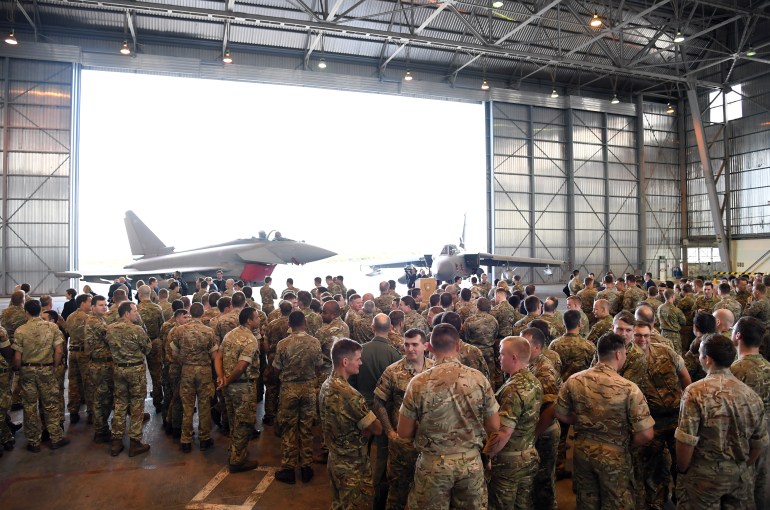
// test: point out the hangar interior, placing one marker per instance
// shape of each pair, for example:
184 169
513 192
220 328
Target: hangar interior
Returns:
626 135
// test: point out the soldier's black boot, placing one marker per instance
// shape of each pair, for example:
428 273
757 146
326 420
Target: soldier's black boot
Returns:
136 448
306 473
246 466
286 476
116 447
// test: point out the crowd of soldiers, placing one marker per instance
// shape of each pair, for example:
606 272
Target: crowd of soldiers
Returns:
467 395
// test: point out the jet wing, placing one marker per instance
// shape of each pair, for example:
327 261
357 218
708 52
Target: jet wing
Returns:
109 276
489 259
424 261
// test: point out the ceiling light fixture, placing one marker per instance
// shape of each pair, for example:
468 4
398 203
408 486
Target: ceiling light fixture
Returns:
322 64
408 76
670 108
497 5
554 94
227 58
679 38
484 85
615 99
124 49
596 21
11 39
750 53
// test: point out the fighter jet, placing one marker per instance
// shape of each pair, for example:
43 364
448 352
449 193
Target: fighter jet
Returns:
454 261
250 260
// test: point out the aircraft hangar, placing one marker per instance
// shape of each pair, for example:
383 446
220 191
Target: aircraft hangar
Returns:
623 136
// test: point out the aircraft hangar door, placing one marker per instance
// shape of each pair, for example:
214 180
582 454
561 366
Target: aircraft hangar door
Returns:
529 179
36 162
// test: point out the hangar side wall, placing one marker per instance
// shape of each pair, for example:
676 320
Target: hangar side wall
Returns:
36 120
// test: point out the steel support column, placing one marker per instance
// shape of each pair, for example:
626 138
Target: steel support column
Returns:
683 205
606 174
6 142
570 164
708 176
490 143
531 171
726 136
641 160
74 174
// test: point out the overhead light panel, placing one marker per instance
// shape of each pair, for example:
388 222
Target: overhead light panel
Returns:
408 76
596 21
679 38
124 49
484 85
615 99
322 64
227 58
11 39
497 5
554 94
750 53
670 108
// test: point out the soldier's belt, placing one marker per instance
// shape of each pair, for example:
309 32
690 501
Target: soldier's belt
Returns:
37 364
670 331
101 360
243 381
664 413
470 454
76 348
523 454
127 365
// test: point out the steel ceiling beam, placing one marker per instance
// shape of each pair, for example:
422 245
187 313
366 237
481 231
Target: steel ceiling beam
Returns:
26 15
131 27
527 21
444 5
279 23
317 39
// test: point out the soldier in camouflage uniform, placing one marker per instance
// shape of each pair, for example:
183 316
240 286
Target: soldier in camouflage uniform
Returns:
666 377
239 355
760 309
633 294
573 303
39 347
385 300
449 437
603 322
485 286
312 319
575 285
347 423
469 355
268 296
174 413
465 308
412 319
608 412
165 305
11 318
152 317
481 330
168 361
728 302
533 308
213 309
101 370
547 445
722 432
587 297
7 440
610 293
222 325
79 387
552 317
576 354
754 371
195 347
277 330
671 320
706 302
635 366
129 345
520 398
388 395
652 298
297 360
742 293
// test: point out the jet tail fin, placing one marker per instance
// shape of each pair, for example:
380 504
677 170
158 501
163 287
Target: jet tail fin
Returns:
142 240
462 237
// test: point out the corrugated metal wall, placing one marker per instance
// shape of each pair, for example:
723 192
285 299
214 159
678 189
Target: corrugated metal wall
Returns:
566 187
661 189
36 146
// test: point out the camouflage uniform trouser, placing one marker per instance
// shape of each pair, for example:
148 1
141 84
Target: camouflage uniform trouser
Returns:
155 366
296 412
547 445
602 476
449 481
715 486
79 390
402 458
320 378
102 375
39 384
561 457
760 478
174 413
242 414
168 391
351 481
130 391
676 339
652 465
196 382
5 404
513 474
495 378
272 389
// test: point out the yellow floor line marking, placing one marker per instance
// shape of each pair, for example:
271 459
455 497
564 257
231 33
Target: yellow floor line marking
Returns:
197 502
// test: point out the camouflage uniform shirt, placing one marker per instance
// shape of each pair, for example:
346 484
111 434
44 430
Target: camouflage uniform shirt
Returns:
36 341
575 352
194 343
240 344
520 399
128 342
391 387
298 356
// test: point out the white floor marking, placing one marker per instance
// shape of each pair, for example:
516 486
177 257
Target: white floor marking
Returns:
197 502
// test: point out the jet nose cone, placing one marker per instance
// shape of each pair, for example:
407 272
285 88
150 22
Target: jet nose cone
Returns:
304 253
